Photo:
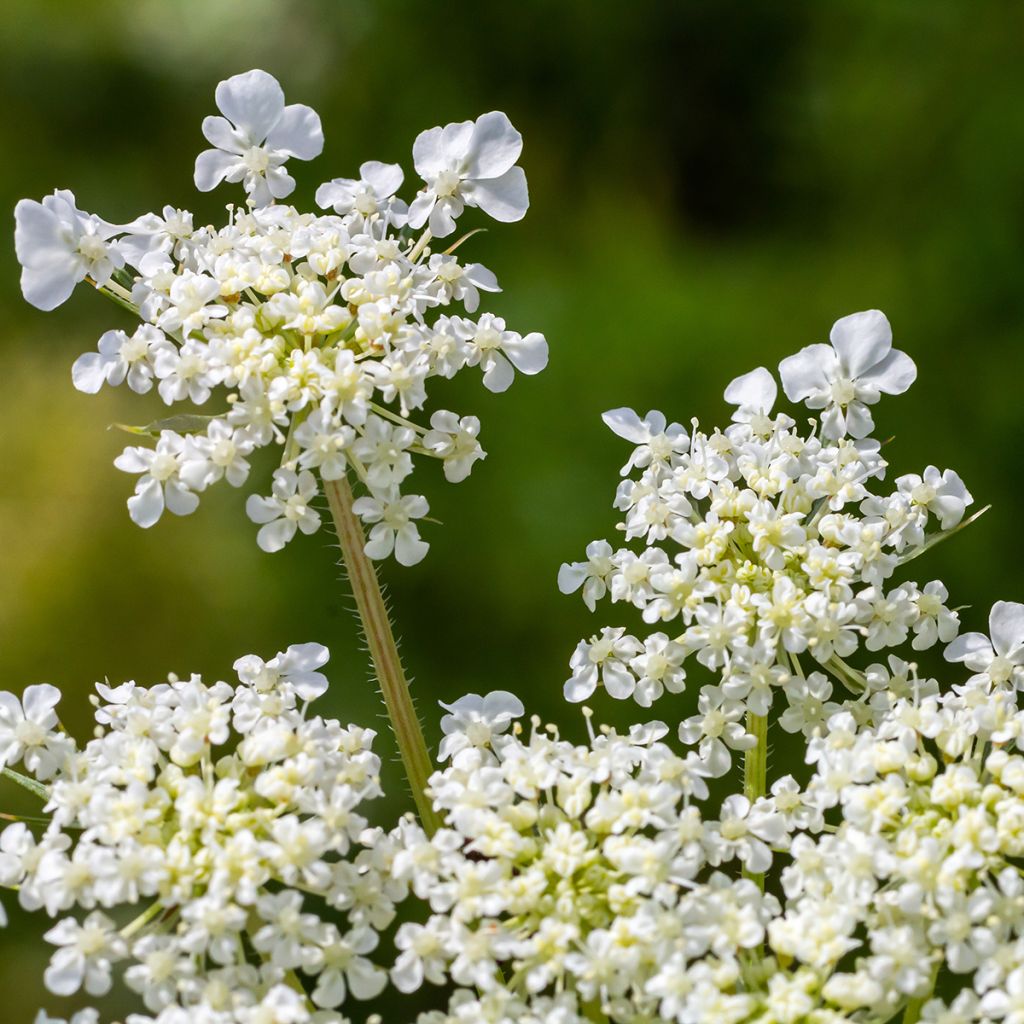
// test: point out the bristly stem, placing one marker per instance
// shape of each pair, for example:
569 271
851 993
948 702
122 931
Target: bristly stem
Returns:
380 639
755 770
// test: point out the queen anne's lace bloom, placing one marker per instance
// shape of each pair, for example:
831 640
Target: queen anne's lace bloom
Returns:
767 549
221 825
320 332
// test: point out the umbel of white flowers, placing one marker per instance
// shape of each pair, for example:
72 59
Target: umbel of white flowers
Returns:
763 544
227 819
318 332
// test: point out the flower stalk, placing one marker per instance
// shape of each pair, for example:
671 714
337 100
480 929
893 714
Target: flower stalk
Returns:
380 638
755 770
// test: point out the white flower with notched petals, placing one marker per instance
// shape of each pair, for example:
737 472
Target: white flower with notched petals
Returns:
58 246
286 510
161 485
999 657
471 163
497 350
603 659
392 528
454 440
86 955
658 443
592 575
475 721
255 138
942 494
119 358
26 729
372 192
851 374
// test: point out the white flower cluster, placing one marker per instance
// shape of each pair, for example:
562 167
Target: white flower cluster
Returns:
318 328
921 879
221 823
764 544
575 879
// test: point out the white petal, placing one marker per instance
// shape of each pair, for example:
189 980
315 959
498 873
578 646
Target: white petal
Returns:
528 355
253 101
275 535
385 179
627 424
754 390
893 375
438 149
862 340
970 646
298 132
409 548
499 375
494 148
146 505
39 700
807 372
506 199
89 372
420 209
1006 626
212 167
220 132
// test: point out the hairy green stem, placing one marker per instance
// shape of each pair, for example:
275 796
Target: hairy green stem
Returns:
755 770
380 639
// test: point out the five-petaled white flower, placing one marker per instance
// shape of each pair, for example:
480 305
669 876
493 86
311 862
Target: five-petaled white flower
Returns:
58 246
287 509
1000 659
470 163
475 721
372 192
851 374
255 137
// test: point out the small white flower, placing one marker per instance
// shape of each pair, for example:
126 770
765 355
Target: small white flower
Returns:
852 374
286 510
255 138
86 955
454 440
27 727
160 486
391 515
999 660
372 192
657 443
58 246
474 721
471 163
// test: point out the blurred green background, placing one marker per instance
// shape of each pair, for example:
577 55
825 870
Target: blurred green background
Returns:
712 183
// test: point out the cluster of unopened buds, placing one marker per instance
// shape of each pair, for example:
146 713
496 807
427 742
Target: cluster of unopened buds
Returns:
318 332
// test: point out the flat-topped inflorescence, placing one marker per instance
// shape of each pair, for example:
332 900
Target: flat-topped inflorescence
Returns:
318 332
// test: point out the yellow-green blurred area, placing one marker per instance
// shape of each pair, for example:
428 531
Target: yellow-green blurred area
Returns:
712 184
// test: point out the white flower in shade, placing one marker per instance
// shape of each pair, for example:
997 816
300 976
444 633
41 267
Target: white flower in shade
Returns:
392 528
86 955
454 440
851 374
475 721
372 192
999 657
58 246
753 394
255 138
160 486
471 163
287 509
26 728
656 441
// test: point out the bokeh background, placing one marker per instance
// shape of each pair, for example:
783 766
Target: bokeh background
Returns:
712 183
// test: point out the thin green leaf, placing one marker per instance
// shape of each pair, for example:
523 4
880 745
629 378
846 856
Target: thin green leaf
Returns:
30 784
186 423
939 537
